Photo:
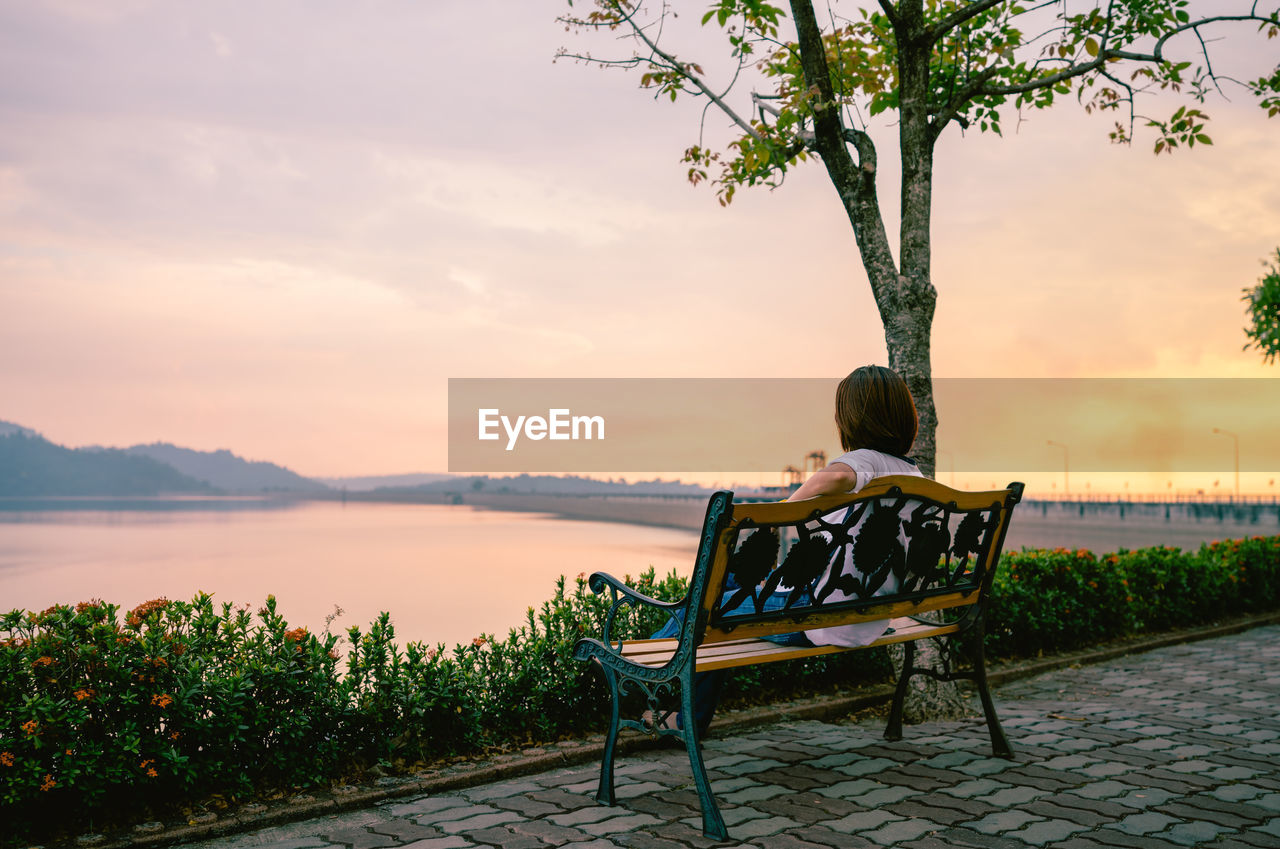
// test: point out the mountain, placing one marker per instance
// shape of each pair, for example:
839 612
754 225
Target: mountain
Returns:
365 483
226 471
32 465
7 428
554 485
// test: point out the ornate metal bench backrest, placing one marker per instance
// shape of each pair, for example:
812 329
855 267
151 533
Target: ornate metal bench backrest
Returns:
903 545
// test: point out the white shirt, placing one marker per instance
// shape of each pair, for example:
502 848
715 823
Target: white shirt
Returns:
867 464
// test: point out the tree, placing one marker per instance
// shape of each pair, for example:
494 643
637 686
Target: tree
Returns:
935 63
1264 312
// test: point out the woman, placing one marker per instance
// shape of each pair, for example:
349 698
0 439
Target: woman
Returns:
877 421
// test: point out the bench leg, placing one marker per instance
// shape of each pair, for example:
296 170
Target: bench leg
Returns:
893 730
999 743
712 823
604 795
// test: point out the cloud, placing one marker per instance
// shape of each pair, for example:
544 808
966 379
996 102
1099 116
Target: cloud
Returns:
221 45
265 222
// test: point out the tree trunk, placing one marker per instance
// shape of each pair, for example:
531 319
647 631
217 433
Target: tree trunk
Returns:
904 295
907 330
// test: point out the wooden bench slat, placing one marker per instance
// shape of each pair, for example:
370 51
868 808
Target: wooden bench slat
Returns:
744 651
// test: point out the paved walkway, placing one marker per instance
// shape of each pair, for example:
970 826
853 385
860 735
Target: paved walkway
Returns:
1176 747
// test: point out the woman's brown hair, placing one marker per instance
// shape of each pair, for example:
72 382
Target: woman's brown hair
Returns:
874 410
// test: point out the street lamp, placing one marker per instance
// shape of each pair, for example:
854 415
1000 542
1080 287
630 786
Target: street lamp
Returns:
1235 442
1066 480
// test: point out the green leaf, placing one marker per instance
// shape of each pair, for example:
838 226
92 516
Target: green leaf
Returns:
1203 139
1091 47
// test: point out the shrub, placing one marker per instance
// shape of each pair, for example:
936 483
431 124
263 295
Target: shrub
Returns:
1057 600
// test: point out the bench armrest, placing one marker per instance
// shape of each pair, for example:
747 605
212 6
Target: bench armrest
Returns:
621 596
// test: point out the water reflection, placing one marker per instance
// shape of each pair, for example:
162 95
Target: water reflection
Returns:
446 573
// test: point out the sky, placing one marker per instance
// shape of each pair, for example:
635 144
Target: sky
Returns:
281 228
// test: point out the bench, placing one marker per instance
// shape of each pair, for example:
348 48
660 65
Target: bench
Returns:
920 548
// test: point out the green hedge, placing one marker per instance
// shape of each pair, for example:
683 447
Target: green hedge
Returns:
121 718
1047 601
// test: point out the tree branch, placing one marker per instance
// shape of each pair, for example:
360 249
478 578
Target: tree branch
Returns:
891 13
951 111
1105 55
671 63
684 71
958 17
1158 51
855 182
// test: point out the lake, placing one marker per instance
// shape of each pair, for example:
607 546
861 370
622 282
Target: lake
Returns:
445 573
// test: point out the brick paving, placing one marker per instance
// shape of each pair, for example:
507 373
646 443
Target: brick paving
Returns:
1173 748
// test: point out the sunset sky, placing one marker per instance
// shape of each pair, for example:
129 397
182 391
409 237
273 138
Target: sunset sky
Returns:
281 228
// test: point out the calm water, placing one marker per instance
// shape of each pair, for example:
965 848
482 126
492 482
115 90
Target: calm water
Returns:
445 573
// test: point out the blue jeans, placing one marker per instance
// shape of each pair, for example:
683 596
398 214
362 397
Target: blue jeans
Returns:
707 686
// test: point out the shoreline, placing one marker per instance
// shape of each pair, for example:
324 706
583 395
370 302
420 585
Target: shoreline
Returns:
1099 527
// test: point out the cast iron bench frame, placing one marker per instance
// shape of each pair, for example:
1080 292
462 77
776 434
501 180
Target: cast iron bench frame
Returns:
949 578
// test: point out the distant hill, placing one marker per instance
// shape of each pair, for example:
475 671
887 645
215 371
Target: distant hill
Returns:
32 465
552 485
7 428
224 470
365 483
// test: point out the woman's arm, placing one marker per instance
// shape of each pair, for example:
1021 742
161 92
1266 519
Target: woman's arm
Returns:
834 479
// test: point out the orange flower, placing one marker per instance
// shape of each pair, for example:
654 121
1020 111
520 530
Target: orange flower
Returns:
83 694
48 784
161 700
42 661
6 758
297 635
140 613
478 642
30 726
